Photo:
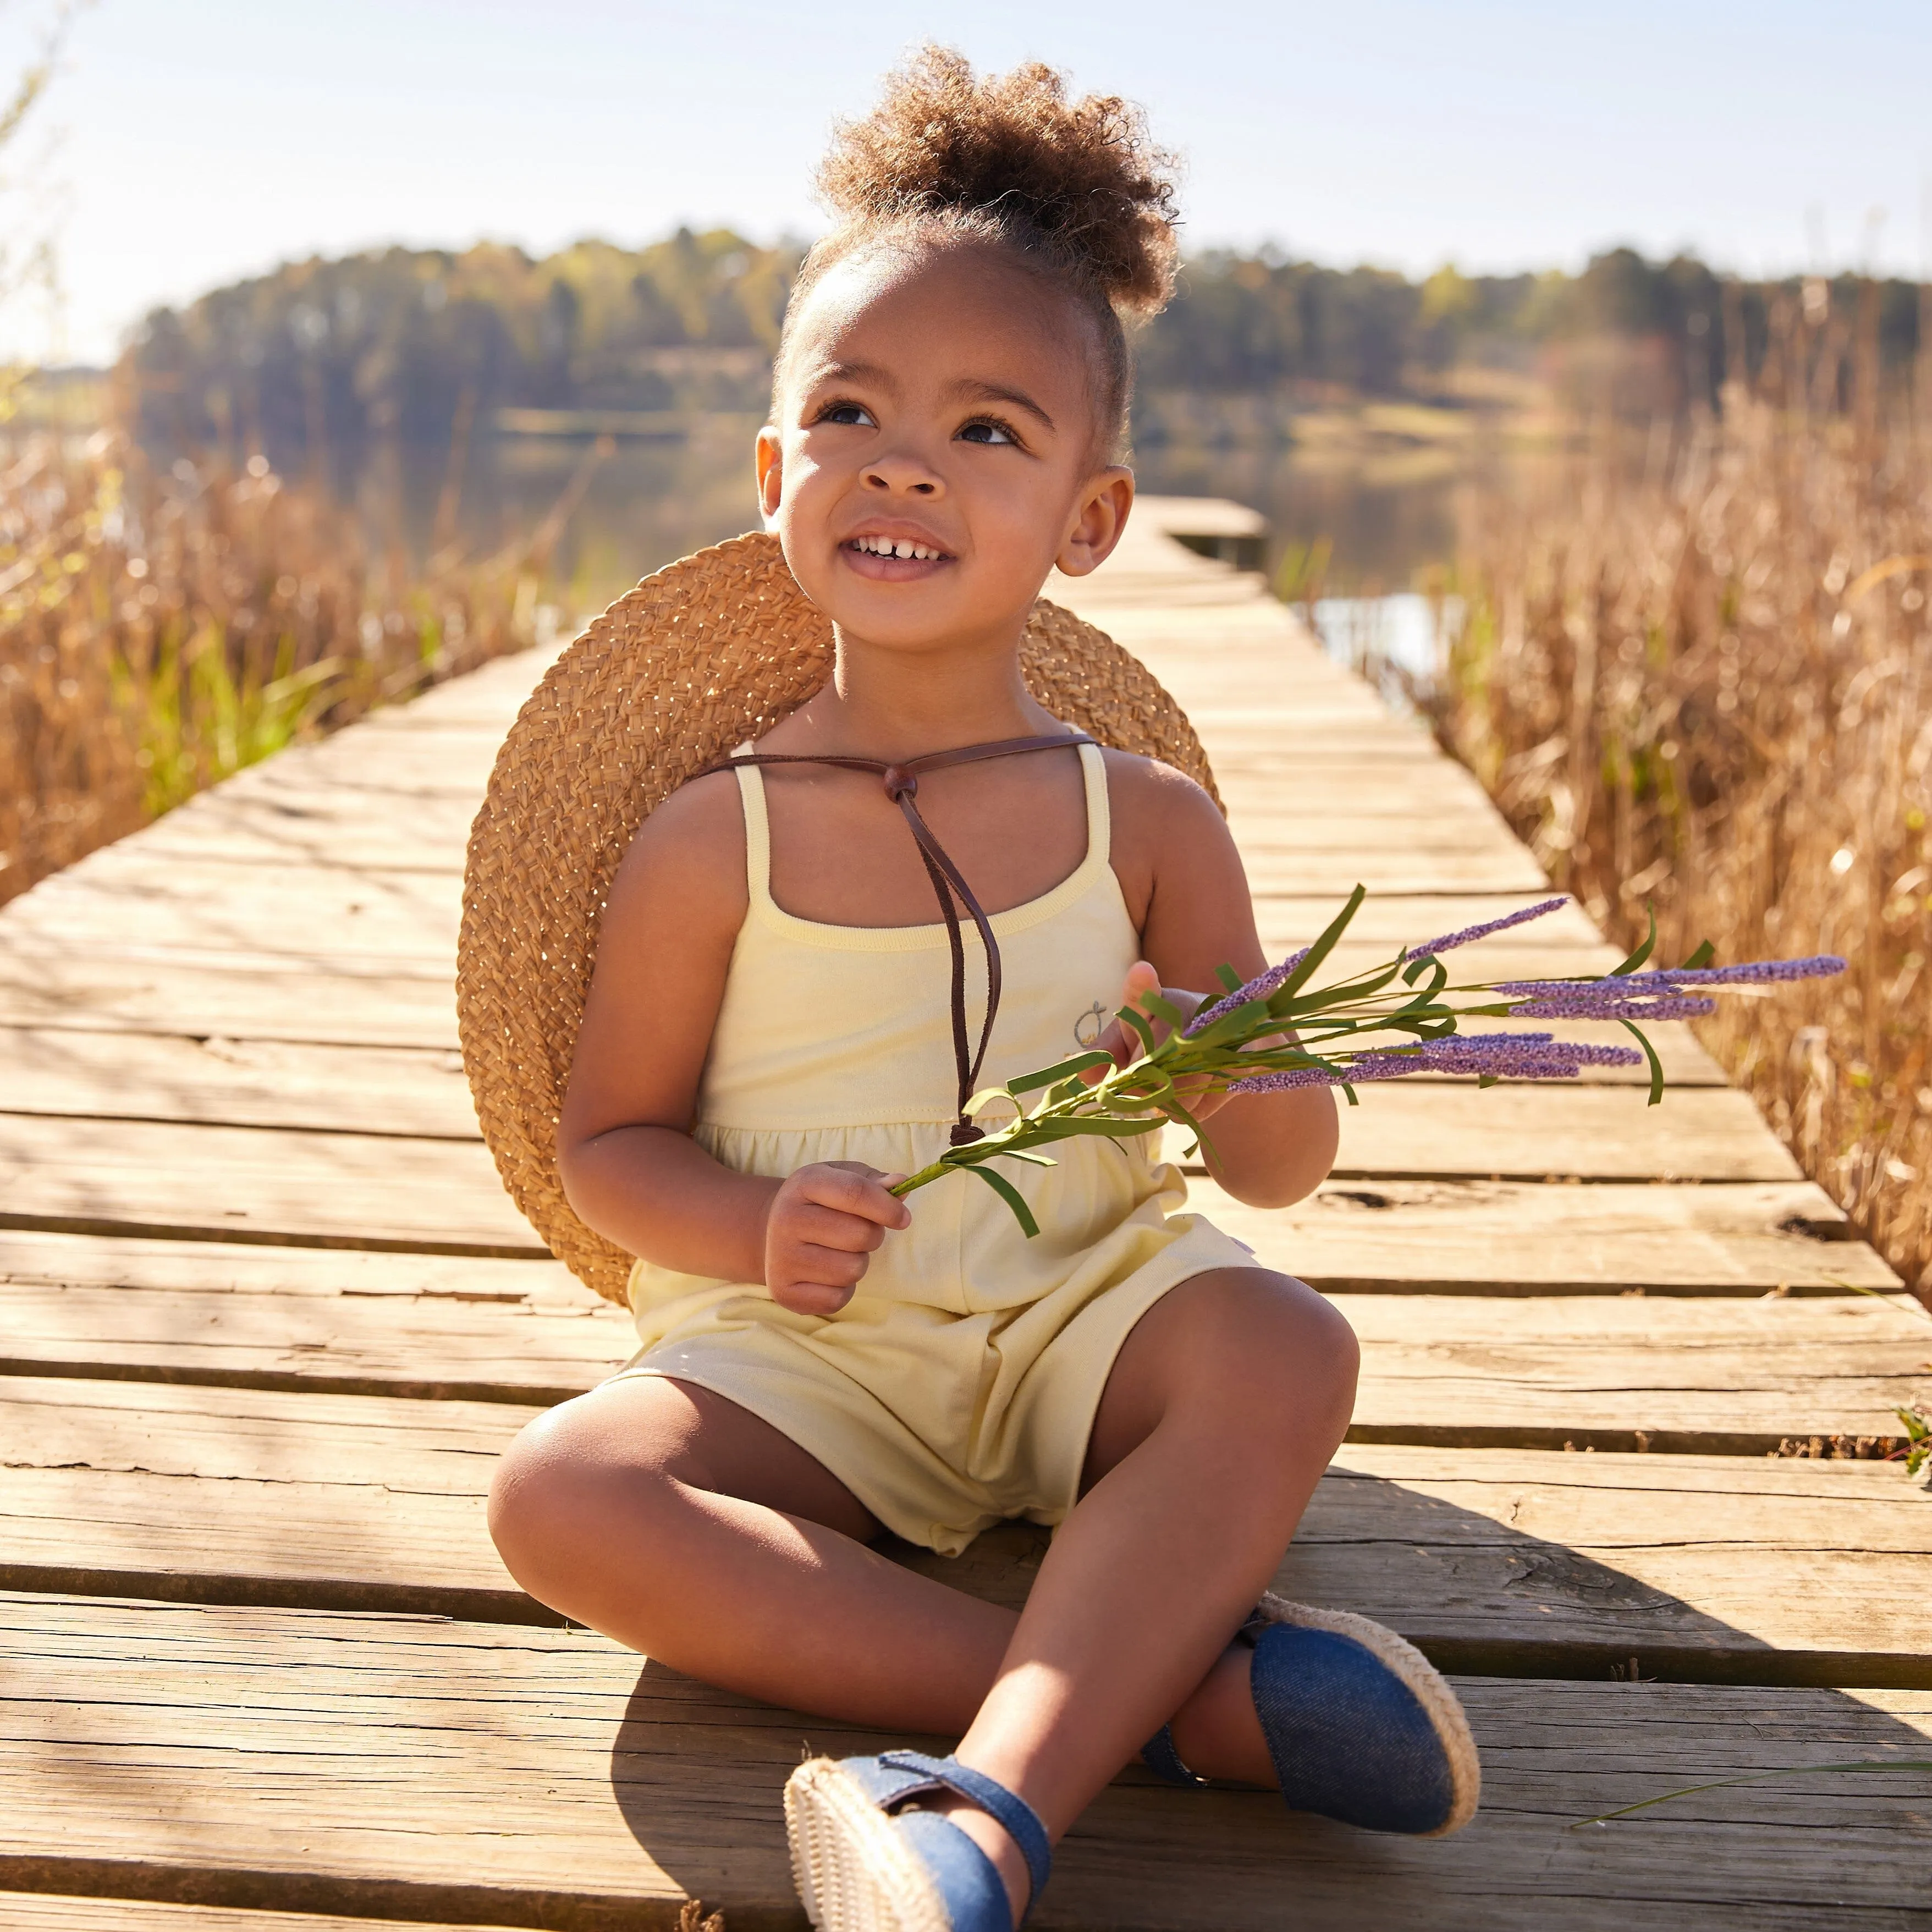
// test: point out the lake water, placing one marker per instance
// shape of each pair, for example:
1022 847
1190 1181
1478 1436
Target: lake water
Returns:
1400 643
650 502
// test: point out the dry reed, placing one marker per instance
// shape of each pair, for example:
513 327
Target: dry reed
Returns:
159 631
1705 682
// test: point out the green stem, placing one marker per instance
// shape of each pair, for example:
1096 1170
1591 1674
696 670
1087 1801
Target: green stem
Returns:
921 1179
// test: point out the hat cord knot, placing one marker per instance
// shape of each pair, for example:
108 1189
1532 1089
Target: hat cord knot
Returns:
899 783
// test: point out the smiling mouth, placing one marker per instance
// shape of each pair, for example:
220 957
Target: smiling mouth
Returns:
903 547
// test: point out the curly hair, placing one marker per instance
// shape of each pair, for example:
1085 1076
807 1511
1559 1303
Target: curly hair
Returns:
1075 191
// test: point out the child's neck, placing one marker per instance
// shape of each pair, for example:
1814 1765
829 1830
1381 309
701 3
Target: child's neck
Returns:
895 704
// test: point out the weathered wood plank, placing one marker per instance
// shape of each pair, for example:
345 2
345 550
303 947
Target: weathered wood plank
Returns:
445 1346
256 999
256 1184
1485 1237
31 1258
372 1772
1738 1568
240 1082
309 912
1531 1131
51 1912
1722 1376
1623 1373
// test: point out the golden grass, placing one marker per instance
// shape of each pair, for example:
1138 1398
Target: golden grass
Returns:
1705 682
159 631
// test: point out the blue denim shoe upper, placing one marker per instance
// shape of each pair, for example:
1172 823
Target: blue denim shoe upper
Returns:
1349 1739
966 1879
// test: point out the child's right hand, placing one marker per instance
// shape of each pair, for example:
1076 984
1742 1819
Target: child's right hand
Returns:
820 1229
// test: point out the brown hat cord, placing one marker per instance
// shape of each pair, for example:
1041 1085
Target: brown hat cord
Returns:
699 657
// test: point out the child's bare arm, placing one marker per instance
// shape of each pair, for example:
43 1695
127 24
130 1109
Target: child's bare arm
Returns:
1183 880
629 1165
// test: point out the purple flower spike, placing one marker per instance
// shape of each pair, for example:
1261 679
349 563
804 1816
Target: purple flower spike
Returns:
1501 1056
1474 932
1665 980
1259 988
1561 1004
1322 1076
1754 973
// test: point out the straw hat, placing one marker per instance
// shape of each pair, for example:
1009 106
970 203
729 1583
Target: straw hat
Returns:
678 672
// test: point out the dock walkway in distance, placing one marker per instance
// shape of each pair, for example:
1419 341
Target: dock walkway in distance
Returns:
268 1317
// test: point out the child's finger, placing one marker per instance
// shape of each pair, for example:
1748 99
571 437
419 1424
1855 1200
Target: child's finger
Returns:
812 1297
854 1190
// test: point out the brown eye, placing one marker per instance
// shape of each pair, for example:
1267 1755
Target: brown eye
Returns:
983 429
848 415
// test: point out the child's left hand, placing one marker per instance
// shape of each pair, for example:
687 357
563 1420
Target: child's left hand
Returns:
1201 1096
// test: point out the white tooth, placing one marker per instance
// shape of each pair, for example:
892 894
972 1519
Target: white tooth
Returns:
902 548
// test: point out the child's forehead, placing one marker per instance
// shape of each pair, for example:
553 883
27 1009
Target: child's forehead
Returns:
903 311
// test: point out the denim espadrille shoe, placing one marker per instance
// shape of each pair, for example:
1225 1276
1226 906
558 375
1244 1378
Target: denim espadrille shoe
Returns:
862 1864
1360 1726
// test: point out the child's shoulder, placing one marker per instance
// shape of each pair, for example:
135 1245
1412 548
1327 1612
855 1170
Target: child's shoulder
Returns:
1143 794
689 853
1165 827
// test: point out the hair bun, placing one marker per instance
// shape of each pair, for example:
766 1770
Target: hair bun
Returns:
1081 180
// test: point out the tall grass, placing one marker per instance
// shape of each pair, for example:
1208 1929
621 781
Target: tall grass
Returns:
159 631
1703 679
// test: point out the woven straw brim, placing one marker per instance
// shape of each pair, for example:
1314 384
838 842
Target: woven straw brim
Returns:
678 673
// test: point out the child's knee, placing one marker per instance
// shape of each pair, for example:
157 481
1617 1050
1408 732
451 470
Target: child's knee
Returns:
1290 1364
553 1488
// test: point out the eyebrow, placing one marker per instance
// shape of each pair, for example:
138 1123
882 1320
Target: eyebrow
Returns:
852 372
997 392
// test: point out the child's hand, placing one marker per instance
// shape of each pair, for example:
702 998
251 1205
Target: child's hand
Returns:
823 1223
1200 1096
1120 1039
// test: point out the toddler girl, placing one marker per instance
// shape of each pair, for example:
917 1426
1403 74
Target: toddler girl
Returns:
779 1029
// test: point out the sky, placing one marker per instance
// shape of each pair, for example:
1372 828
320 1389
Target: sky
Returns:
188 143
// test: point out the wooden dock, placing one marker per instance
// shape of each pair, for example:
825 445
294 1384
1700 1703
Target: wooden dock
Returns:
269 1316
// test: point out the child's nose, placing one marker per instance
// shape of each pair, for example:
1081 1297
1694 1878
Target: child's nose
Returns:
903 473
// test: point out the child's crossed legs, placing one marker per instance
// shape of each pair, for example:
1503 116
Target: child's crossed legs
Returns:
680 1524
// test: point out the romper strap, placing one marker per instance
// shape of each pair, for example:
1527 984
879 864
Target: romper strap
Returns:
902 783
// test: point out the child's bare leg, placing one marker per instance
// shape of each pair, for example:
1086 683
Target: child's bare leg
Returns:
679 1523
1222 1411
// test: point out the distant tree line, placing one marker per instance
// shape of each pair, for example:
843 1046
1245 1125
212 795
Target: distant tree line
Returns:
324 358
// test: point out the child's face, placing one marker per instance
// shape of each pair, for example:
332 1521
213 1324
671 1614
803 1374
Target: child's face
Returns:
940 404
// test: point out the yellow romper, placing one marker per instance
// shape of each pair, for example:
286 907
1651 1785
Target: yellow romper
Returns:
958 1386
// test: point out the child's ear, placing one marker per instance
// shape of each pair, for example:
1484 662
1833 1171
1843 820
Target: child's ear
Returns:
1097 529
769 456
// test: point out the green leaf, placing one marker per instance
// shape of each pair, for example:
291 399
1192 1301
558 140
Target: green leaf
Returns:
1011 1196
1132 1017
1164 1008
985 1096
1704 954
1048 1075
1642 953
1232 982
1331 934
1650 1053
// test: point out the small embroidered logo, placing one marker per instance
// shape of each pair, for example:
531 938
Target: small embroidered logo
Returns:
1086 1027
